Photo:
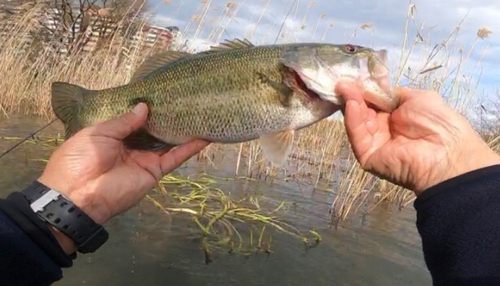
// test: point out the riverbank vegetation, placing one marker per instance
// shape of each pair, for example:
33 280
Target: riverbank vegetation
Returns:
225 220
320 160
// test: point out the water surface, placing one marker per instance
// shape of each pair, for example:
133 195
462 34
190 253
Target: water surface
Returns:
147 247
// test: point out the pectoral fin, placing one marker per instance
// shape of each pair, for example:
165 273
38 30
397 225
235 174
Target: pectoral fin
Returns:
282 90
143 140
277 146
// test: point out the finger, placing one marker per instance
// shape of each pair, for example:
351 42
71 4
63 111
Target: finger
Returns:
121 127
372 121
181 154
357 130
353 96
406 94
360 121
350 91
147 161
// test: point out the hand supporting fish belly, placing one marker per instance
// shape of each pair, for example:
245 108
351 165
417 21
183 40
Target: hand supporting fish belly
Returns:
233 93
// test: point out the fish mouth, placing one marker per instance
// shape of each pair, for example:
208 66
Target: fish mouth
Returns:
300 83
376 81
317 77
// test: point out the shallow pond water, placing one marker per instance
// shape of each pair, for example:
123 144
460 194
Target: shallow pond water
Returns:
147 247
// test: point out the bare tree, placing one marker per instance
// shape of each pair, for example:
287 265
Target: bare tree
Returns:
70 24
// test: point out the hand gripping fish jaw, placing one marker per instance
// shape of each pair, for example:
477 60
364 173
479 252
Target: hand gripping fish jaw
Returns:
323 67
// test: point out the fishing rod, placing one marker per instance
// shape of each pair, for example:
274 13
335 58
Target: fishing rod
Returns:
27 137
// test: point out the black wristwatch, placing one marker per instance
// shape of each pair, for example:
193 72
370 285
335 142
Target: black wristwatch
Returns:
56 209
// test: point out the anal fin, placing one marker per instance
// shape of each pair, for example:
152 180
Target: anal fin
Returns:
277 146
143 140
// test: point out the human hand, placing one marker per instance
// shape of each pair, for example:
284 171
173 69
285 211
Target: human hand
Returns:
420 144
103 178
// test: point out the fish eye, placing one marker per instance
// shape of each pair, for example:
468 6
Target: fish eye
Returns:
350 48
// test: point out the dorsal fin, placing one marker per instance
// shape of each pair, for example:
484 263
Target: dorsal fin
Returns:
235 44
155 62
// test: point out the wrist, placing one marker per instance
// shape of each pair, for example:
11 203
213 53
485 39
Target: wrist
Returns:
84 198
473 160
71 226
18 209
468 162
66 243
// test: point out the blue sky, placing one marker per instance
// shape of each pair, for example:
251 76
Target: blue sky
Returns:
340 22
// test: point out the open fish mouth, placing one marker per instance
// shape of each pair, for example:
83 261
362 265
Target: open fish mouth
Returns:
320 73
302 85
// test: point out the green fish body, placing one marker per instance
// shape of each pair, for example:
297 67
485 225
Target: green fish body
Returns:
233 93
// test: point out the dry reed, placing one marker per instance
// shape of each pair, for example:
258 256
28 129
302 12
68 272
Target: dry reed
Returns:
321 156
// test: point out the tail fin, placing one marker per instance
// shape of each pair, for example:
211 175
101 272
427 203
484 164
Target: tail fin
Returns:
67 101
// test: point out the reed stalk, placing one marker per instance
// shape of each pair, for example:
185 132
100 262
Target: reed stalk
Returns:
320 158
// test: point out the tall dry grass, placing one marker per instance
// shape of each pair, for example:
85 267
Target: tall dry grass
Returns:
321 157
28 71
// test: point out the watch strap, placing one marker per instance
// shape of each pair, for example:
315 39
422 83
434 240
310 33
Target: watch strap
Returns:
56 209
17 208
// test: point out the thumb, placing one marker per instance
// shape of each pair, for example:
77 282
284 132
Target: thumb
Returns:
120 127
356 115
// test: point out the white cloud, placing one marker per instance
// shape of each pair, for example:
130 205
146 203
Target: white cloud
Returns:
437 18
164 20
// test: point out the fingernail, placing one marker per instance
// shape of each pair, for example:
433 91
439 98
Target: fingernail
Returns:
138 108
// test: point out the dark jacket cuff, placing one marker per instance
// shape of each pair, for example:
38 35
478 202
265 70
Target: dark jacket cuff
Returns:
458 221
453 183
17 207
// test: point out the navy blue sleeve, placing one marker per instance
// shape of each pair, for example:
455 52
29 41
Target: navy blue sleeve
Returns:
458 220
459 223
29 252
22 262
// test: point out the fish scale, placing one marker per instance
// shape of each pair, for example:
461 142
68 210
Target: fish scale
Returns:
235 92
234 104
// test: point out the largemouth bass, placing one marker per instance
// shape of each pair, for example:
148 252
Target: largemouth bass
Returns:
233 93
